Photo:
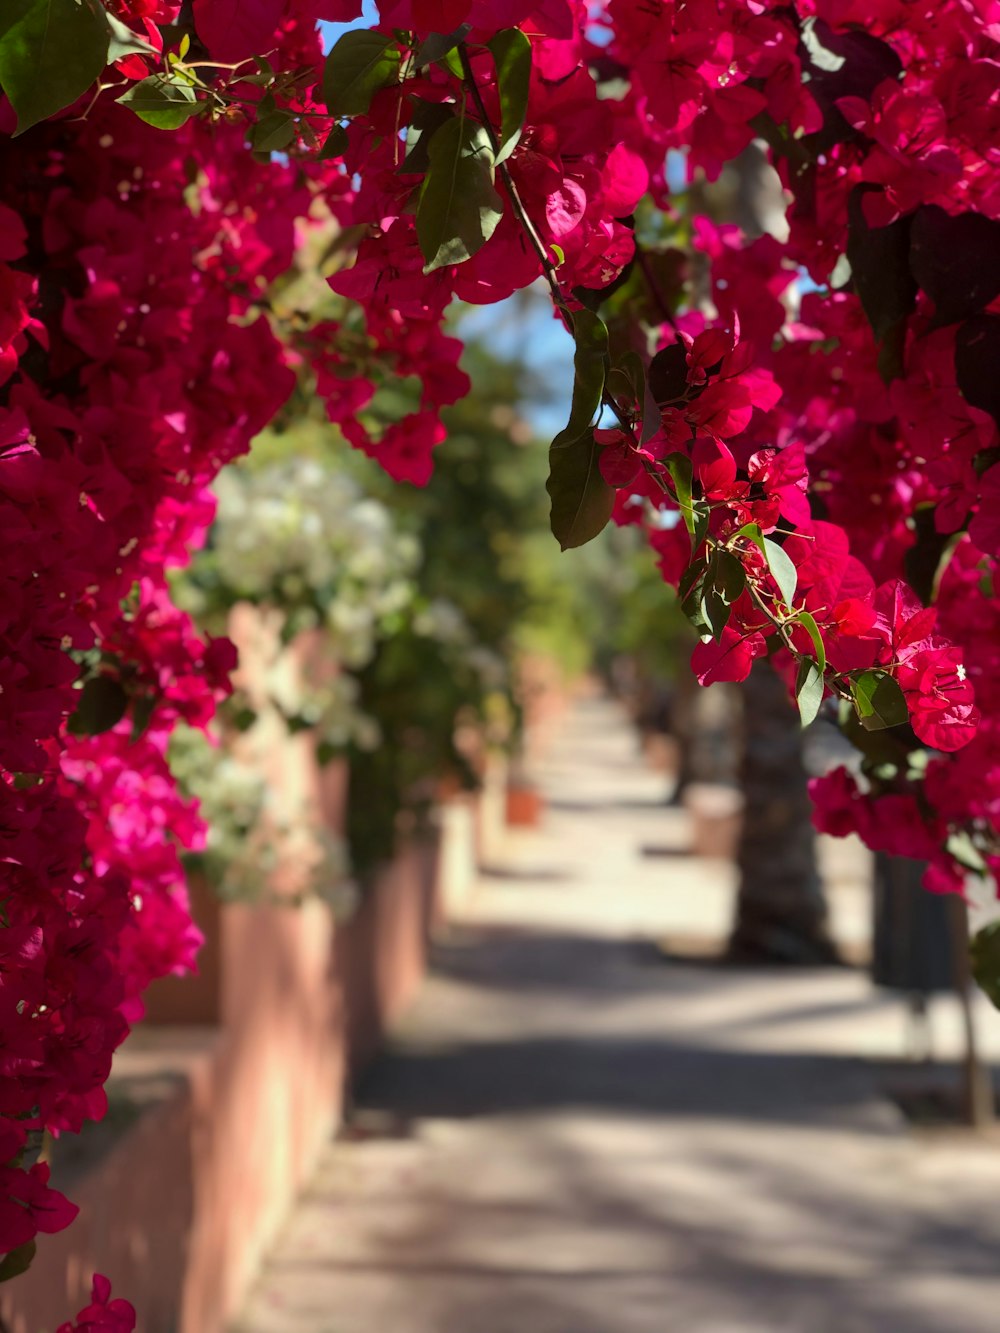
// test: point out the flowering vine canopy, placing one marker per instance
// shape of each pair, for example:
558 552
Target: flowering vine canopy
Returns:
804 425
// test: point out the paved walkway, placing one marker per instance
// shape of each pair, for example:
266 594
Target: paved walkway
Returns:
571 1135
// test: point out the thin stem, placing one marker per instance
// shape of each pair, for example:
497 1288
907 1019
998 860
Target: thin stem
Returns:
538 245
536 242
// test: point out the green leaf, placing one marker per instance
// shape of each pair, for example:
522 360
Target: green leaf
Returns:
458 209
725 579
635 369
782 570
426 119
681 473
166 106
143 706
879 700
582 500
696 611
451 63
808 623
668 373
16 1262
359 65
879 748
512 57
984 953
51 51
960 846
729 578
716 608
809 691
438 44
694 572
335 145
125 42
101 705
652 418
590 368
273 132
752 532
880 271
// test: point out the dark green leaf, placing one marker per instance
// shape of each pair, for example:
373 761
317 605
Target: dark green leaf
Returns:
702 514
977 362
956 260
512 56
427 117
359 65
880 267
459 209
668 374
695 571
716 608
696 611
590 364
879 701
691 591
101 705
634 371
438 44
782 570
161 104
273 132
582 500
728 576
984 952
808 623
243 718
926 560
619 384
652 418
142 712
879 748
809 691
681 473
51 51
336 143
16 1262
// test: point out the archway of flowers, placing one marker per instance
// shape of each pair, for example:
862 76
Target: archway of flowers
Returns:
804 425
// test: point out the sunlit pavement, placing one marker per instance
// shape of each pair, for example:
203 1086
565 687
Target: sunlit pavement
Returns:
573 1135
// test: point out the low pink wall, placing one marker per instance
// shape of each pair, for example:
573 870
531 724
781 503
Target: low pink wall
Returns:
181 1208
224 1097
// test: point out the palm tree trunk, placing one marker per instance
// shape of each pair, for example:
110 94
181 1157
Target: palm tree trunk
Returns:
781 913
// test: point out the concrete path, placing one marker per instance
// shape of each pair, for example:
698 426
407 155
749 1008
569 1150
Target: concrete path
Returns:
571 1135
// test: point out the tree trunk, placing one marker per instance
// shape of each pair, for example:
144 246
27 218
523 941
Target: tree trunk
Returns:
780 912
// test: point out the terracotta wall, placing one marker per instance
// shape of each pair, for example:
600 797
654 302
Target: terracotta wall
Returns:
222 1099
180 1208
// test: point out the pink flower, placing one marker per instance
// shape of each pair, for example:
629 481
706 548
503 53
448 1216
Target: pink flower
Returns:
102 1315
728 659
